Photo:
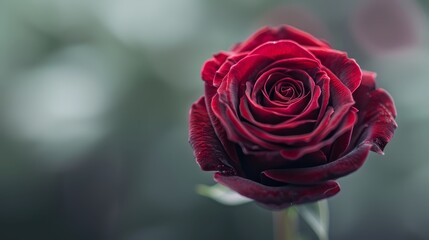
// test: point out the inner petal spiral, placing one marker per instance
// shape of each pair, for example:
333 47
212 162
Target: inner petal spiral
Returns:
286 90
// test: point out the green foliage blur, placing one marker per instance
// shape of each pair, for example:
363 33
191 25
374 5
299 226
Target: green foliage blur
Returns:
94 100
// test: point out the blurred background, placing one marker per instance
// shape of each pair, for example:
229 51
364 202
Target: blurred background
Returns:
94 99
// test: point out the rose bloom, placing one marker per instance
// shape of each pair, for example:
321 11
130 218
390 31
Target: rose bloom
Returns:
284 115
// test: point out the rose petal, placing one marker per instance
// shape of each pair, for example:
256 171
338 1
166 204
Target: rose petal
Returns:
341 99
275 116
368 79
224 69
258 94
229 146
345 68
380 118
282 49
346 124
278 197
333 170
210 67
340 145
323 81
361 95
235 128
208 151
377 114
282 128
269 134
233 86
280 33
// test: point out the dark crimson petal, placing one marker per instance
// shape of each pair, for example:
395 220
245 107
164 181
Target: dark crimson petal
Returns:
377 114
208 151
361 95
340 145
341 100
291 106
278 197
323 81
348 123
269 133
333 170
269 78
263 160
224 69
212 65
345 68
297 68
280 128
257 162
297 63
246 70
234 83
229 146
275 116
280 33
258 93
304 135
235 129
380 117
283 49
368 79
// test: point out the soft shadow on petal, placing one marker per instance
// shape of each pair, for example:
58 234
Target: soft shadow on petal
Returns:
333 170
278 197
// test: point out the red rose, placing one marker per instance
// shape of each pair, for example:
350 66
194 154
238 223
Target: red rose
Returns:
284 115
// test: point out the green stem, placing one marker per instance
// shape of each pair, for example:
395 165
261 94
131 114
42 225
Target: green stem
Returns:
285 224
316 215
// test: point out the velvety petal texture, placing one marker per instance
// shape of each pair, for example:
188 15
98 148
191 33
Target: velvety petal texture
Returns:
208 150
284 115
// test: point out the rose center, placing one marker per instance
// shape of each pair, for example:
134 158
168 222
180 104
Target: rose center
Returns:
286 90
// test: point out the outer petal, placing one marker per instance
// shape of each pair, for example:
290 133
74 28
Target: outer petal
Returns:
368 79
226 67
377 114
341 167
210 67
280 33
229 147
278 197
345 68
380 118
361 95
282 49
208 151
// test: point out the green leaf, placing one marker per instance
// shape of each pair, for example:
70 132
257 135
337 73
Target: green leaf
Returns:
222 194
